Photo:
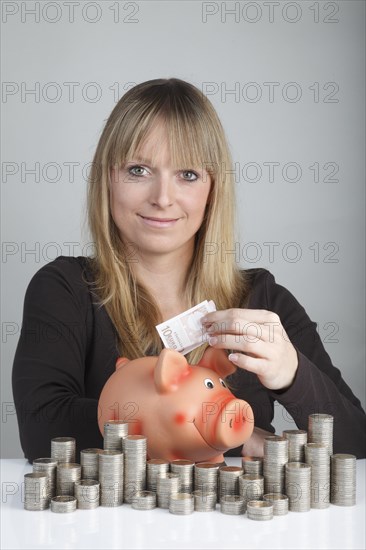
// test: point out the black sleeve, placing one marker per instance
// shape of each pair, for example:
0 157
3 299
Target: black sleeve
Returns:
49 363
318 386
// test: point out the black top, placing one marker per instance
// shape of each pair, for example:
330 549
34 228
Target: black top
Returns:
67 351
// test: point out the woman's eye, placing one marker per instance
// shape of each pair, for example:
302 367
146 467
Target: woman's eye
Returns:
189 175
222 383
136 170
208 383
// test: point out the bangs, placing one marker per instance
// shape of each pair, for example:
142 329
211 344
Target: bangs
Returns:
188 131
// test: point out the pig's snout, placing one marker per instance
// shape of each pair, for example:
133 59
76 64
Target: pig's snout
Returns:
226 425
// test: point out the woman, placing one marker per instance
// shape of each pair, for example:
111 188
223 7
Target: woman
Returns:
160 194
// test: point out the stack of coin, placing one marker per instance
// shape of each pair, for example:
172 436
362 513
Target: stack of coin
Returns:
114 431
343 479
145 500
36 492
63 449
47 466
167 485
232 504
229 480
320 428
251 487
296 442
204 502
259 510
274 460
87 494
206 476
155 467
181 504
252 465
111 478
298 486
67 474
185 470
63 504
89 460
317 455
279 503
134 450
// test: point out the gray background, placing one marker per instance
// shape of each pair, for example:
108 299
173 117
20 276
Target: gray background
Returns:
310 121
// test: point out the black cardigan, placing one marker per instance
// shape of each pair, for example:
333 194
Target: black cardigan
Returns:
67 350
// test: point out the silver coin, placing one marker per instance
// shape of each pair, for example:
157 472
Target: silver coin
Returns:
229 480
114 432
166 486
343 479
154 468
111 473
204 501
89 460
232 504
252 465
63 449
320 429
279 503
36 491
296 441
298 477
144 500
47 466
184 468
251 487
135 450
63 504
87 494
317 456
181 504
259 510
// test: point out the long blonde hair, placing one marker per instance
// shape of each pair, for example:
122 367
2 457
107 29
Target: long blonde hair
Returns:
195 138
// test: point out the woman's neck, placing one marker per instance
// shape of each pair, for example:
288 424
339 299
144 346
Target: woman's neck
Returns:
165 277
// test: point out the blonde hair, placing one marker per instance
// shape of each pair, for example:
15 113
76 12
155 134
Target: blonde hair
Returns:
195 138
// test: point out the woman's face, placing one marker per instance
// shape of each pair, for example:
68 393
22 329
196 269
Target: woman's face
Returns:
156 209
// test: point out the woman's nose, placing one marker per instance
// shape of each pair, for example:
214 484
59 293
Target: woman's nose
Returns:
162 191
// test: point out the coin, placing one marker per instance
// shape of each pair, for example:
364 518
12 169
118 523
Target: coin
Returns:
298 486
296 441
181 504
87 493
36 491
166 486
67 474
274 460
206 477
317 456
89 460
114 432
111 478
279 503
320 429
185 470
251 487
144 500
134 449
63 504
47 466
204 501
343 479
232 504
63 449
252 465
154 468
259 510
229 480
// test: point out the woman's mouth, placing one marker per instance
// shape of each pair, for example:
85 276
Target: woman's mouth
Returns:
158 222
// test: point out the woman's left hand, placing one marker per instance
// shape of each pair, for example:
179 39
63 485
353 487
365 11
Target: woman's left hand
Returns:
259 337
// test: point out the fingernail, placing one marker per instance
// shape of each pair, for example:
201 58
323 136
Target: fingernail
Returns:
233 357
213 340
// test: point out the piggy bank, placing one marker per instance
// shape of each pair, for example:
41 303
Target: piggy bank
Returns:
186 412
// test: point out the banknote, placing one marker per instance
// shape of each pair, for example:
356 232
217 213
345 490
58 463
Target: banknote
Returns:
184 332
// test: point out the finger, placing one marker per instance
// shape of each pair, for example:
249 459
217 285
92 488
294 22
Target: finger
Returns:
228 341
245 330
253 315
248 363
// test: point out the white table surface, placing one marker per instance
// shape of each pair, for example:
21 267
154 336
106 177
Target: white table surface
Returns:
335 527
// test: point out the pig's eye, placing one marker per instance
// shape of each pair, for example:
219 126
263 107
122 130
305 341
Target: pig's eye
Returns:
209 384
222 383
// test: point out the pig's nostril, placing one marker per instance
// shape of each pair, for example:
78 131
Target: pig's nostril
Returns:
231 423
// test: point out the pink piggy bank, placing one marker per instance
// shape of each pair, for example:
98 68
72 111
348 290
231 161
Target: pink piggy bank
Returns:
186 412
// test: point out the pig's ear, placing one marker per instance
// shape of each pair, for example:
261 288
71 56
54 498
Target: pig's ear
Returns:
216 359
170 369
121 361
